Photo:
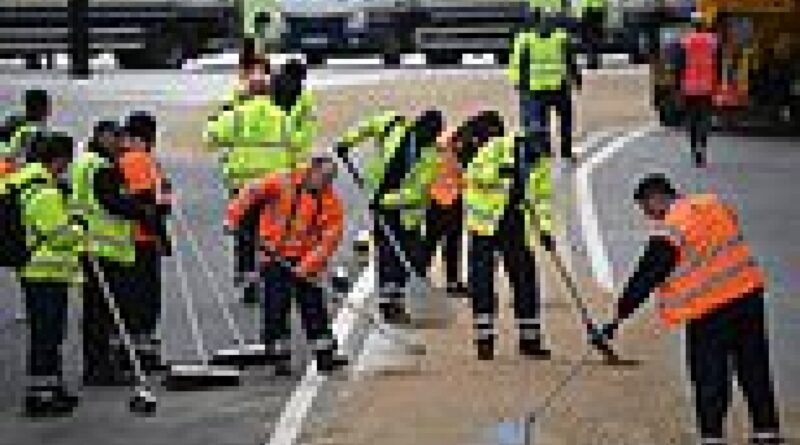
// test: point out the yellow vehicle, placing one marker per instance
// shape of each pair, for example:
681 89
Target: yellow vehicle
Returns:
759 67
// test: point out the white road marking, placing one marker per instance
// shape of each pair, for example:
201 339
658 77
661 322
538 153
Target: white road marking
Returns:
294 413
601 266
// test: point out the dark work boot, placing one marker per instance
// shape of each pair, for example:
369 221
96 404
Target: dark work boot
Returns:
50 400
250 294
767 438
328 361
485 348
533 348
394 313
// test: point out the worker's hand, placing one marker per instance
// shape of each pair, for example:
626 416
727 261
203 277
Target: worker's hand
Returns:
341 150
548 242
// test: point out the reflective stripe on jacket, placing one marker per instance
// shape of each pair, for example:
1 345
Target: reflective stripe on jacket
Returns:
109 236
547 60
487 190
258 137
293 223
56 243
700 69
715 266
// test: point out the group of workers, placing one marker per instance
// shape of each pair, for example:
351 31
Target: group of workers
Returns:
95 221
104 224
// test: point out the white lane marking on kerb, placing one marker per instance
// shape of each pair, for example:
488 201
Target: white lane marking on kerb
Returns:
294 413
601 266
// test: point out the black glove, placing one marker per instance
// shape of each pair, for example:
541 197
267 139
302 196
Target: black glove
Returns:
604 332
342 150
548 242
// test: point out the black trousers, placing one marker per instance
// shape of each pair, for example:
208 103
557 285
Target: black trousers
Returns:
731 340
245 244
148 276
444 224
46 307
392 273
698 121
593 26
280 287
509 241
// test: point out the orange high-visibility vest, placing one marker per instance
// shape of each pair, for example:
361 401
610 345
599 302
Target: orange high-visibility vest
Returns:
446 188
715 266
700 72
142 175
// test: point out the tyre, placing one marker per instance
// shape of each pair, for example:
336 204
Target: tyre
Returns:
443 58
315 59
502 58
392 53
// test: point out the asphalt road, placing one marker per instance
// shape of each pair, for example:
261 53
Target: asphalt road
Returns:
242 415
758 175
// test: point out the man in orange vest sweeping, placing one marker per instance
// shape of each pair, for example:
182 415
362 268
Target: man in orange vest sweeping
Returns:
300 226
704 275
697 64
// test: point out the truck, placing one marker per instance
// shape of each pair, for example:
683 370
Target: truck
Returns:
759 70
140 33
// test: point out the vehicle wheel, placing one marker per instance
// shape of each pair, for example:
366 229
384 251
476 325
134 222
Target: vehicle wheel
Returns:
132 59
315 59
392 52
502 58
33 61
444 58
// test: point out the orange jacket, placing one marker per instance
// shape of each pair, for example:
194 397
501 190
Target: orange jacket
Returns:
447 186
7 166
715 266
143 175
307 230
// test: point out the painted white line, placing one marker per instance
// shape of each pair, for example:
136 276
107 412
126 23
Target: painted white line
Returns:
601 266
294 413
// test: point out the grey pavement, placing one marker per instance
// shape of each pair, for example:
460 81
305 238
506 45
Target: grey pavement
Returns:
240 415
759 176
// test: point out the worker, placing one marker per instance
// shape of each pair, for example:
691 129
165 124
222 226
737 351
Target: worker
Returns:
430 196
300 226
704 275
109 215
593 19
250 69
55 243
400 142
272 130
543 68
17 131
697 62
150 195
495 204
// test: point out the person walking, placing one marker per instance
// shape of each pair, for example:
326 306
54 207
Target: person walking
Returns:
697 63
705 276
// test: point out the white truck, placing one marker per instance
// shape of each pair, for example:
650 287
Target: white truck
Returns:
140 33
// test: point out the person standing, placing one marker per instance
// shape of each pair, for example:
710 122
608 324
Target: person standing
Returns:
705 276
400 143
55 242
543 69
593 19
17 131
697 64
495 204
300 226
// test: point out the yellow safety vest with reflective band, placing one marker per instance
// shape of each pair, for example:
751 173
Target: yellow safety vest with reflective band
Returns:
55 241
387 130
547 60
259 138
715 266
109 236
487 190
15 144
413 195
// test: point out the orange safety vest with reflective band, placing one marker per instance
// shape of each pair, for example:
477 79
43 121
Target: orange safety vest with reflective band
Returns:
700 73
715 265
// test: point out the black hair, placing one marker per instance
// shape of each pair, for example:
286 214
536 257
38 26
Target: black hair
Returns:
652 184
427 127
287 85
47 147
101 128
476 132
37 104
142 125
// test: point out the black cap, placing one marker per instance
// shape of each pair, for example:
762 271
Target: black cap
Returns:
655 183
46 147
428 126
106 126
36 104
142 125
476 132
